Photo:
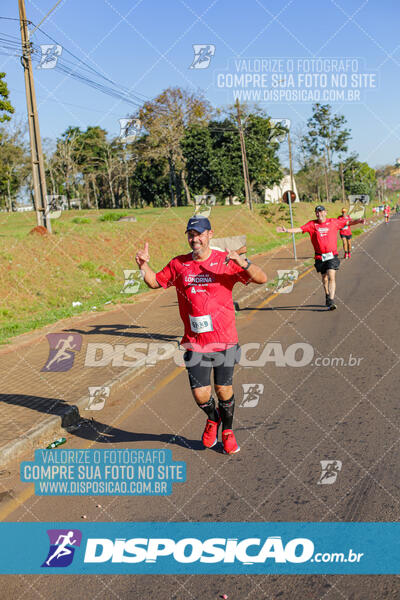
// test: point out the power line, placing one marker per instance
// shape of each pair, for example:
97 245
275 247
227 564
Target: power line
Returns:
136 97
80 70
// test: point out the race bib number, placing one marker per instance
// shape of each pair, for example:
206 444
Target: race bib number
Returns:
327 256
201 324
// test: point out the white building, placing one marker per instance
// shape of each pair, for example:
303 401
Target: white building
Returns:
24 208
275 194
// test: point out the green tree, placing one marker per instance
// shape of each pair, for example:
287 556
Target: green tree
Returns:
14 165
197 152
226 160
6 109
310 180
327 135
165 119
359 177
261 149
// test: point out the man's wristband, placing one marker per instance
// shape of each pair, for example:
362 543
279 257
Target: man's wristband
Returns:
248 264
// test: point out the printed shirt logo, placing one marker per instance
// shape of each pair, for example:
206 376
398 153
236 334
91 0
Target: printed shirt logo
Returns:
62 351
62 547
323 231
199 279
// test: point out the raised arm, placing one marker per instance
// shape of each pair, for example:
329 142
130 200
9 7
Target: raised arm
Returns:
142 258
282 229
256 273
356 221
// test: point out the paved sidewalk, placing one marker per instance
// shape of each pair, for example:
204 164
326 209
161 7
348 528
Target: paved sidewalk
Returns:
37 404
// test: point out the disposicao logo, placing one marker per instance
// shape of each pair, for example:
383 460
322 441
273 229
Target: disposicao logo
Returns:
62 547
189 550
62 351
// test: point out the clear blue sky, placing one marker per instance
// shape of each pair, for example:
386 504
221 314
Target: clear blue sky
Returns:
147 46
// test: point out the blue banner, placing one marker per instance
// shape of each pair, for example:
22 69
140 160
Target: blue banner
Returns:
192 548
103 472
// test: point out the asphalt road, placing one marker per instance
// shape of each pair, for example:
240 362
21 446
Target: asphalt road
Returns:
342 405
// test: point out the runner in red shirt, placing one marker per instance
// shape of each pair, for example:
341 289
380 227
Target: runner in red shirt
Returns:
204 280
323 233
386 212
345 233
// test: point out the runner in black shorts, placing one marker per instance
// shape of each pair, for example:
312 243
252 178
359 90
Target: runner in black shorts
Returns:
345 233
200 364
323 233
204 280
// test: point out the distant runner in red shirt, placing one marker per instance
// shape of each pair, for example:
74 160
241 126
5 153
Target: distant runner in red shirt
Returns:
204 280
323 233
345 233
386 212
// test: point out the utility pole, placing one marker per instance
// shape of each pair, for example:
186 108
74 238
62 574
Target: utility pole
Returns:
38 172
247 190
290 162
289 194
342 182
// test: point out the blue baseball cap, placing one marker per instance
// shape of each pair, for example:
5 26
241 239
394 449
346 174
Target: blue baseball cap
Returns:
199 224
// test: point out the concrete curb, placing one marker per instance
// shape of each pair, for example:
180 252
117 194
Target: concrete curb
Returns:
55 426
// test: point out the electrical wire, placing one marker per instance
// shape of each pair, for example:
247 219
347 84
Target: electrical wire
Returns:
80 70
139 98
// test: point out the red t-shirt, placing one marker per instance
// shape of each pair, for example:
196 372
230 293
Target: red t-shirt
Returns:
323 235
346 229
204 290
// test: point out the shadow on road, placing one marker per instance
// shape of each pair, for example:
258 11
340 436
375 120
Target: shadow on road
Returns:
122 330
90 429
306 307
107 434
282 258
49 406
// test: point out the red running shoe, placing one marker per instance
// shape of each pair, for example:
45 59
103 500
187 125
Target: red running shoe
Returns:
210 433
229 442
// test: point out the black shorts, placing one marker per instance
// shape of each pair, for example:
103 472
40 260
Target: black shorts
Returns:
348 237
200 364
322 266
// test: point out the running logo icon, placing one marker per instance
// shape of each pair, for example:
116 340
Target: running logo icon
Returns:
50 55
98 396
63 543
203 54
129 130
62 351
251 394
133 279
330 471
286 279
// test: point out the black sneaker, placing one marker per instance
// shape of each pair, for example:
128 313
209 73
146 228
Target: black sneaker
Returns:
330 304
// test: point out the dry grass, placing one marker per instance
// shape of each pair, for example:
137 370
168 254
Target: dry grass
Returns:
84 259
